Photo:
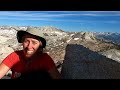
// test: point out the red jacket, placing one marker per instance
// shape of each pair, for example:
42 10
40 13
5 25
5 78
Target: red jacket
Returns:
17 64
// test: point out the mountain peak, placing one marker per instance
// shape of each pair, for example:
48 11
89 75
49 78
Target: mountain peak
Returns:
50 28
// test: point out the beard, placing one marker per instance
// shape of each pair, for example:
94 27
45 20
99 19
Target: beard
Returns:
29 53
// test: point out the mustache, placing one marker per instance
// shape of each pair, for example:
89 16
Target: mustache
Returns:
39 49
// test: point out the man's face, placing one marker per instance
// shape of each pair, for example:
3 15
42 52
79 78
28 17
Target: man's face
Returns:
30 45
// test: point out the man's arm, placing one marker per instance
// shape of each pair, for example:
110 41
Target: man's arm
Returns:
3 69
54 73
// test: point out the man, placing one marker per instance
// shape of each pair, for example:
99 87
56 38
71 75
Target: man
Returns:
30 61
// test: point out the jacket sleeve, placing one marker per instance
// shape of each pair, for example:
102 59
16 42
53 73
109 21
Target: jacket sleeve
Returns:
49 63
10 60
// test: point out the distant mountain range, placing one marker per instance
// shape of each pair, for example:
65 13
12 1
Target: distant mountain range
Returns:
103 36
108 37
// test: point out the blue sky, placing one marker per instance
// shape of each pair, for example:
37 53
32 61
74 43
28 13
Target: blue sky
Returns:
94 21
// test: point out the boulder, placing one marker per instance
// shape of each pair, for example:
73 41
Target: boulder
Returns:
82 63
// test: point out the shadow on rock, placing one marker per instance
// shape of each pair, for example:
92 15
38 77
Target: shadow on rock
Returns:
82 63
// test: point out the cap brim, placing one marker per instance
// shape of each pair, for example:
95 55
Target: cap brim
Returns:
20 34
